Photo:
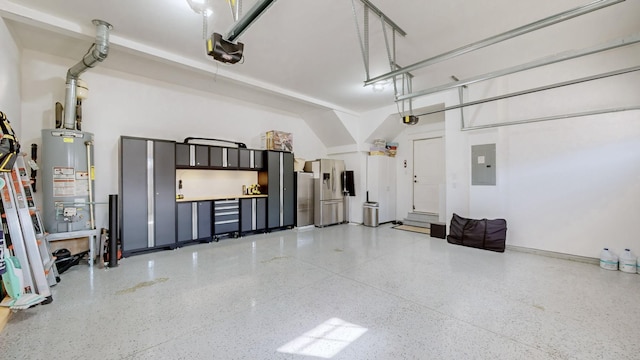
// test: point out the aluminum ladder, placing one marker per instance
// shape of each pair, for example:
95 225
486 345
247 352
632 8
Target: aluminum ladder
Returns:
27 236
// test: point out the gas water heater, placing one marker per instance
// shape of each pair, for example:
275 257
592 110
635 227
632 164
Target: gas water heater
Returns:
67 152
67 174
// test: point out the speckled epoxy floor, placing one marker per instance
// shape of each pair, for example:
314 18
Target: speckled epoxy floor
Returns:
342 292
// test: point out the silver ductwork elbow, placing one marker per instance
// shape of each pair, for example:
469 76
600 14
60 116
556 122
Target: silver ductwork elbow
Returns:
96 54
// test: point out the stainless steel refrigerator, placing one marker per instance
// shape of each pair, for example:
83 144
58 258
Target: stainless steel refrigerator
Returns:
304 214
328 191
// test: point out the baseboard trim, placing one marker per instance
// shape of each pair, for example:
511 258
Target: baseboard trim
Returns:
553 254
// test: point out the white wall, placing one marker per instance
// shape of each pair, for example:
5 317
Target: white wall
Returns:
573 185
124 104
569 186
10 79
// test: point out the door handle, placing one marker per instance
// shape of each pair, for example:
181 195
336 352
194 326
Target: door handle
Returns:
333 178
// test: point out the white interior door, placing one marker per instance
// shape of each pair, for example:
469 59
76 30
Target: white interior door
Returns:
428 174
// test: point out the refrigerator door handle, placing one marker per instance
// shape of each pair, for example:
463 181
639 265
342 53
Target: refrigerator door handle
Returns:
333 179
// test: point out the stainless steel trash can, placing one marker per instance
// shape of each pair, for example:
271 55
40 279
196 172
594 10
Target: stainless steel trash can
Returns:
371 214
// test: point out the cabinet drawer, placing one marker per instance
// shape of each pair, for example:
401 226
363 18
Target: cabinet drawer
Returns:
226 209
226 227
224 218
226 204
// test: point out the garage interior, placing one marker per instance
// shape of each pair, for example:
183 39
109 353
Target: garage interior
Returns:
525 111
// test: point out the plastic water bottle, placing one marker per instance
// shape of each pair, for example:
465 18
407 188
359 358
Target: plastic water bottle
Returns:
628 262
608 260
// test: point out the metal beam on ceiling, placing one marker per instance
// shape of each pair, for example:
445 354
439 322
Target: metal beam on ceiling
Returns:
537 89
364 37
568 55
554 117
384 17
249 18
563 16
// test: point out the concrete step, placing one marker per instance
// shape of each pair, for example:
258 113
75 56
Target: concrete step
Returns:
416 223
422 217
428 221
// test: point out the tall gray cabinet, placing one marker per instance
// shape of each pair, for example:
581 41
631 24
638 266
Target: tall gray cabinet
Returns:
147 194
278 180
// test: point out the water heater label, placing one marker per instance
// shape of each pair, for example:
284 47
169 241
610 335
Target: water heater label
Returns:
67 140
64 182
82 183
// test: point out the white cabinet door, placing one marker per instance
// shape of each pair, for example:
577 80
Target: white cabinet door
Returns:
381 185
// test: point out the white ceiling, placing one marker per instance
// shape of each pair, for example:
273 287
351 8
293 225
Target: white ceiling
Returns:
304 55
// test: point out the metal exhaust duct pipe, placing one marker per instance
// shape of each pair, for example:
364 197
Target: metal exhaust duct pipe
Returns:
97 53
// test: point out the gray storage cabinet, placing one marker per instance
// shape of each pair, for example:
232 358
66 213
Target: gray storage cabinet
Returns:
232 158
250 159
204 221
147 194
215 156
223 157
182 155
261 213
258 159
201 156
226 217
185 223
194 221
279 181
191 156
253 213
244 161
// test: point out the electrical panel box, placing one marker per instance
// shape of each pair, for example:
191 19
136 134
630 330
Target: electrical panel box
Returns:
483 164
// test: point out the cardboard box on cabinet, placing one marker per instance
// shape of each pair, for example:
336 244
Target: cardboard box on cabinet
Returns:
278 140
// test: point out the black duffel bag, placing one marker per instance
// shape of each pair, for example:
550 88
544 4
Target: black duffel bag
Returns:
481 234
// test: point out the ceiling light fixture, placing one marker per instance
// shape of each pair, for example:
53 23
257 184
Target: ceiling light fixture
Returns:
381 85
201 7
204 8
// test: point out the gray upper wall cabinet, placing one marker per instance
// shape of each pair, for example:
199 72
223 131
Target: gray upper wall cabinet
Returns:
232 158
182 155
190 156
223 158
197 156
250 159
215 157
201 156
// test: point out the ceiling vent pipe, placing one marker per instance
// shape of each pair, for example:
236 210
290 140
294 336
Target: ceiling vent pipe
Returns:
97 53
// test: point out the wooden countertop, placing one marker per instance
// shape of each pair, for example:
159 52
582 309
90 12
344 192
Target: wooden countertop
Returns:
221 197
